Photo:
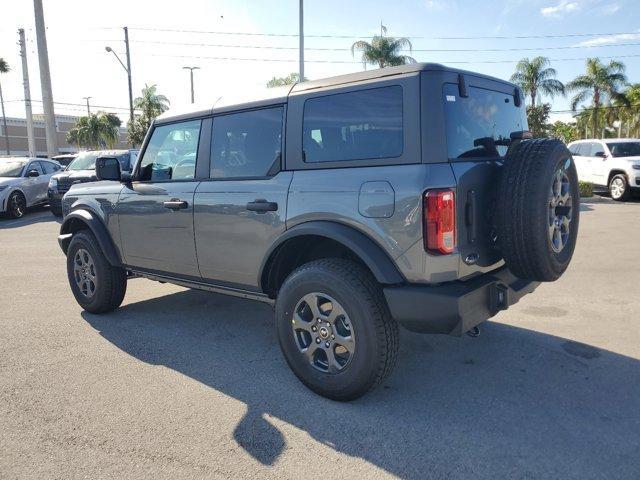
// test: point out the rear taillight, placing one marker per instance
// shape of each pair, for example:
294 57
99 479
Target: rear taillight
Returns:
439 221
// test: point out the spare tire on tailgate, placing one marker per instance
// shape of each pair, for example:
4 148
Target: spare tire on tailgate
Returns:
538 209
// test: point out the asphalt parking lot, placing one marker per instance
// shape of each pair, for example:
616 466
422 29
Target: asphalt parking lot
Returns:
187 384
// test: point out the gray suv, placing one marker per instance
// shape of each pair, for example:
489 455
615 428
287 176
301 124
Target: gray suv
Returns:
410 196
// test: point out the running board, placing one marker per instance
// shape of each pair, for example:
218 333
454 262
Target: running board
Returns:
234 292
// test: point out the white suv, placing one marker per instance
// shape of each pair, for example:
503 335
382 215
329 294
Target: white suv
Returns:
613 163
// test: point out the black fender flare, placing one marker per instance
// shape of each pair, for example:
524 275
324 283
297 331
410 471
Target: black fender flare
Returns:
371 254
78 217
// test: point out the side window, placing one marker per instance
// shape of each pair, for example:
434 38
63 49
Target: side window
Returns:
171 152
358 125
597 149
35 166
246 144
49 167
574 149
584 149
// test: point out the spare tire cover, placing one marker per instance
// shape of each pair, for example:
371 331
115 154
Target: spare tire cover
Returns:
538 209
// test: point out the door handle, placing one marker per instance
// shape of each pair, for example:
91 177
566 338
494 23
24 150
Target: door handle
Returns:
175 204
262 206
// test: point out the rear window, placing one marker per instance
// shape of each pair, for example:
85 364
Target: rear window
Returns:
360 125
478 124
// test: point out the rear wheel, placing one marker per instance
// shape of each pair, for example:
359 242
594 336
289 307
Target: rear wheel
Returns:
619 188
335 329
97 285
16 205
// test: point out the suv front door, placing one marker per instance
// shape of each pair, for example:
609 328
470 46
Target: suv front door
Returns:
155 210
241 209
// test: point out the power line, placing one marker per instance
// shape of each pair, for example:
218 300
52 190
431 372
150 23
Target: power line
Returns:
282 60
470 37
326 49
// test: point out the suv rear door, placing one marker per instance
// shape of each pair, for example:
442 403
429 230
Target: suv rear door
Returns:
241 209
155 210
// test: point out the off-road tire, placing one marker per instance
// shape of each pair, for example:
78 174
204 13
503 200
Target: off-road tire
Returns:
111 283
12 211
523 209
626 191
376 332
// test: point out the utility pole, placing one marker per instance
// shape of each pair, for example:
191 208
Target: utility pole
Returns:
45 80
191 69
27 94
4 121
301 69
126 44
88 109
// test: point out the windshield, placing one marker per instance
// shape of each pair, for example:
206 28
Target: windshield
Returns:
624 149
84 161
479 125
11 168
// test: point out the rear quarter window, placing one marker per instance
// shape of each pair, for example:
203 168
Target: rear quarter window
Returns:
358 125
477 124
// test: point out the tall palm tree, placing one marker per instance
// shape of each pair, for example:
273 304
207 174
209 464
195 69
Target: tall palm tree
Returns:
4 68
536 77
95 131
601 84
384 51
151 103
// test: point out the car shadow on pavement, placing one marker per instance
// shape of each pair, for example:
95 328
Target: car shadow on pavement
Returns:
32 216
511 403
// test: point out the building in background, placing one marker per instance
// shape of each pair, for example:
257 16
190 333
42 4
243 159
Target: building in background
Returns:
17 128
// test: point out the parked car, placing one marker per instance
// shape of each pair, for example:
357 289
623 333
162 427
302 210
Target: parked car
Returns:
23 183
411 195
612 163
82 169
65 159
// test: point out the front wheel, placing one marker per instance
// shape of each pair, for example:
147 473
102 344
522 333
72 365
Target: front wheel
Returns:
619 188
98 286
335 329
16 205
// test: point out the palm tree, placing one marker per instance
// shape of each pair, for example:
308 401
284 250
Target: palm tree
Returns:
536 77
151 103
629 110
4 68
95 131
288 80
384 51
601 84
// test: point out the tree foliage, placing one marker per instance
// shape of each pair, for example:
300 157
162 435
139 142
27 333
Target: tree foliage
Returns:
601 84
95 131
150 104
288 80
538 119
567 132
384 51
535 77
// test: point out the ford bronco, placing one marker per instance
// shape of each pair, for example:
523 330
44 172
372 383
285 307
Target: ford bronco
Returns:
410 195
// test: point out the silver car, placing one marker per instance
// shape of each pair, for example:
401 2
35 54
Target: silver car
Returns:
23 183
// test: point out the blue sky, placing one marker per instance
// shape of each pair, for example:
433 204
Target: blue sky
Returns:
79 30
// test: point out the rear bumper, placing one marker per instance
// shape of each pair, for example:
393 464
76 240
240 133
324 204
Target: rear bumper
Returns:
456 307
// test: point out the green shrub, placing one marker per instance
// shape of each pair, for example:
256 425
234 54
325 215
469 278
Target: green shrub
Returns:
586 189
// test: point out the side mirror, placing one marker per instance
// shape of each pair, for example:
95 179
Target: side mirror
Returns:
601 154
33 173
108 168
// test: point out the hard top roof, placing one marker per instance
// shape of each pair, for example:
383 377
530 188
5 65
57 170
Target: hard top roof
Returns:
269 96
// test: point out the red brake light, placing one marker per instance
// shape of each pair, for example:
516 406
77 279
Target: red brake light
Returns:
439 222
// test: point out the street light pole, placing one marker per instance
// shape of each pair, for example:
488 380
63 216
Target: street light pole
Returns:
301 35
88 109
191 69
27 94
126 44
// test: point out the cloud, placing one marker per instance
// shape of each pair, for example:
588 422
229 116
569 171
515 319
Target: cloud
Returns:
608 40
564 6
610 9
436 4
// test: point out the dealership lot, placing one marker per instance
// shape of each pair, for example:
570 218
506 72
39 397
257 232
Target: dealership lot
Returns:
187 384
